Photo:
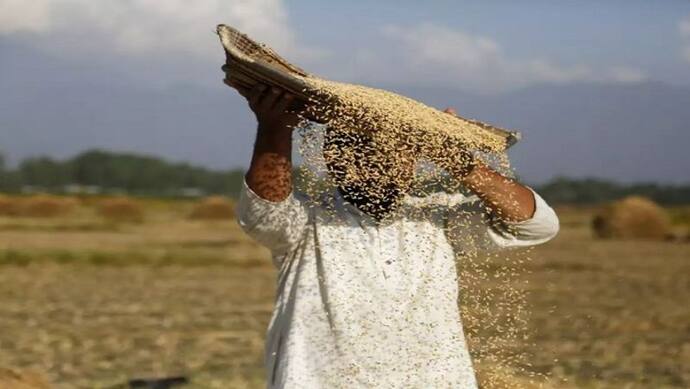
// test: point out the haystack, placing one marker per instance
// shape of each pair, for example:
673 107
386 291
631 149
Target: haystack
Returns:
47 206
9 206
634 217
213 208
121 210
42 205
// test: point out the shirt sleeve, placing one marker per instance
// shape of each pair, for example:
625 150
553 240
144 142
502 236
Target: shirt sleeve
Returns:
541 228
489 232
276 225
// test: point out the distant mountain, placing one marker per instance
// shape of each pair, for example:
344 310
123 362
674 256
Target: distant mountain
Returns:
637 132
205 126
54 107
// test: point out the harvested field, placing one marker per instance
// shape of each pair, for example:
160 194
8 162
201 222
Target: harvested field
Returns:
121 209
88 304
214 208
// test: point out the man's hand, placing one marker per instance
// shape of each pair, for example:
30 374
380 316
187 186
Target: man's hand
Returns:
270 107
270 172
268 104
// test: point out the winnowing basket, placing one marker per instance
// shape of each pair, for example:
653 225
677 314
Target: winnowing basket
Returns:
250 63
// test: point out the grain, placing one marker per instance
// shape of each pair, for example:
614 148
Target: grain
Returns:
381 144
350 106
386 145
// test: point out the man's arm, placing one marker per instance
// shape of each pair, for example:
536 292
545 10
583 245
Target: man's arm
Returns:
270 171
525 218
505 197
267 210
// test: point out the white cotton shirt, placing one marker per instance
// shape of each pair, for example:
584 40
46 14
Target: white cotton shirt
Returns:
362 304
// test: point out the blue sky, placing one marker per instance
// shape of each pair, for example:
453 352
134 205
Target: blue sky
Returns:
641 35
128 75
530 41
592 31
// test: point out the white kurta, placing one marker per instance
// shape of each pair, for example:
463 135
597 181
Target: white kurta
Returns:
366 305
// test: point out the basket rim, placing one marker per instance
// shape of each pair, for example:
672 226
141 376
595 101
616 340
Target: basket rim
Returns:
294 80
224 31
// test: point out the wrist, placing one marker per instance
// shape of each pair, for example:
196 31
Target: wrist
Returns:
475 175
274 140
274 129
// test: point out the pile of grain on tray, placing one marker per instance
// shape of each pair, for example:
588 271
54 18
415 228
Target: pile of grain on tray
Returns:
353 106
381 140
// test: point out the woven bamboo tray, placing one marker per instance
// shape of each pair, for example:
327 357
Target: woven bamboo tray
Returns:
250 63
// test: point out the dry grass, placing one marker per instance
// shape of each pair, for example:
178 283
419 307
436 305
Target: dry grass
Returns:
214 208
16 379
603 313
632 218
121 210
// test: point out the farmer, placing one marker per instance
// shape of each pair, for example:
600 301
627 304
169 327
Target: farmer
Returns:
365 300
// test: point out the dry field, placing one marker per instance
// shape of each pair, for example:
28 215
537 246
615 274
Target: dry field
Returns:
86 302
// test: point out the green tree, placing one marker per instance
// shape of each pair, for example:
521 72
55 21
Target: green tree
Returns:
45 172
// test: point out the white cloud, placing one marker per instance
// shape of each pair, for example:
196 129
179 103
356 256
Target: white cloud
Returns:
684 27
17 15
144 26
685 52
432 54
684 30
624 74
174 39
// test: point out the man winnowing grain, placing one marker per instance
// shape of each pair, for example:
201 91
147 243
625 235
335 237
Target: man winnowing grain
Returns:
365 300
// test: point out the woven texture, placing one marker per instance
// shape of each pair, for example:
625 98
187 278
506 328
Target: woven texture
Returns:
251 63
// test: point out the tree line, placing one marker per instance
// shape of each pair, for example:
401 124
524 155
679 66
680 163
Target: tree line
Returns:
100 171
106 172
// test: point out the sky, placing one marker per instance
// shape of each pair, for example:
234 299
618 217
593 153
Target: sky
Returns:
115 56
